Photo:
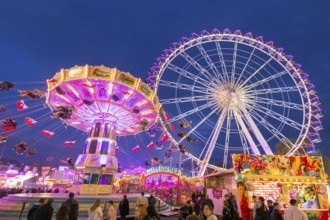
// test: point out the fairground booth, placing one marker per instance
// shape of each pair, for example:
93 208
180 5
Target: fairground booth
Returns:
281 178
169 184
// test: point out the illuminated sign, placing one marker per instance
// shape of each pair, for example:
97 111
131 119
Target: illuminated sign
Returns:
162 168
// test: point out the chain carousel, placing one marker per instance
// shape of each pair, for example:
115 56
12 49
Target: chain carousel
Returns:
106 103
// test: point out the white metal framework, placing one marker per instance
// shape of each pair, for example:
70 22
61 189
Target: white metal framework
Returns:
234 93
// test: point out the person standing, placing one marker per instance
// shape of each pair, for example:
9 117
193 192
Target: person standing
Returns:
276 215
95 212
32 212
208 212
226 211
111 214
255 206
45 212
62 213
152 200
293 212
73 207
262 210
124 208
270 206
142 200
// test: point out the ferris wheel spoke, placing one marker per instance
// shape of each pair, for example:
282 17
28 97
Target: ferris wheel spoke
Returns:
210 63
222 61
183 86
255 72
188 74
246 132
197 66
242 136
243 70
253 126
185 99
272 129
192 111
277 116
213 138
283 104
234 64
225 156
273 90
267 79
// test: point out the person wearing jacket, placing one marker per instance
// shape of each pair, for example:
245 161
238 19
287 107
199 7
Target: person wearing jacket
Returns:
293 212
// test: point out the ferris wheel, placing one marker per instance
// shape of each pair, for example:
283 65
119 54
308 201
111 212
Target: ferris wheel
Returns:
226 93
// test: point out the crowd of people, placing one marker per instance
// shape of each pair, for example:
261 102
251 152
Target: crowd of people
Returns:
271 210
199 207
145 209
43 210
5 191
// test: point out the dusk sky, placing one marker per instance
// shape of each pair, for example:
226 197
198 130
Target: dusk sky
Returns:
38 38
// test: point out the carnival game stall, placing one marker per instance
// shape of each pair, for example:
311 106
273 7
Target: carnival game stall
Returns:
281 178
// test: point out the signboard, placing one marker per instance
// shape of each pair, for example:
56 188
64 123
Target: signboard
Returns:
162 168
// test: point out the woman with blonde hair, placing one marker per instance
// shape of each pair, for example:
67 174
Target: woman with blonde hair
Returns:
141 212
95 212
111 214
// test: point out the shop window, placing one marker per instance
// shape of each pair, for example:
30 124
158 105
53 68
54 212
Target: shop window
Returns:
97 130
104 147
105 179
92 147
95 178
87 178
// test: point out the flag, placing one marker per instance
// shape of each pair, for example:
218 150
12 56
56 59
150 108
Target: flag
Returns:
29 121
136 148
150 145
164 138
166 116
47 133
69 143
171 127
21 105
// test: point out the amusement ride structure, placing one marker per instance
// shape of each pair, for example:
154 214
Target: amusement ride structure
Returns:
105 103
226 92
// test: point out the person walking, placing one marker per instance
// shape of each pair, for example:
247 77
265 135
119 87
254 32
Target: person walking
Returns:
293 212
111 214
95 212
124 208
